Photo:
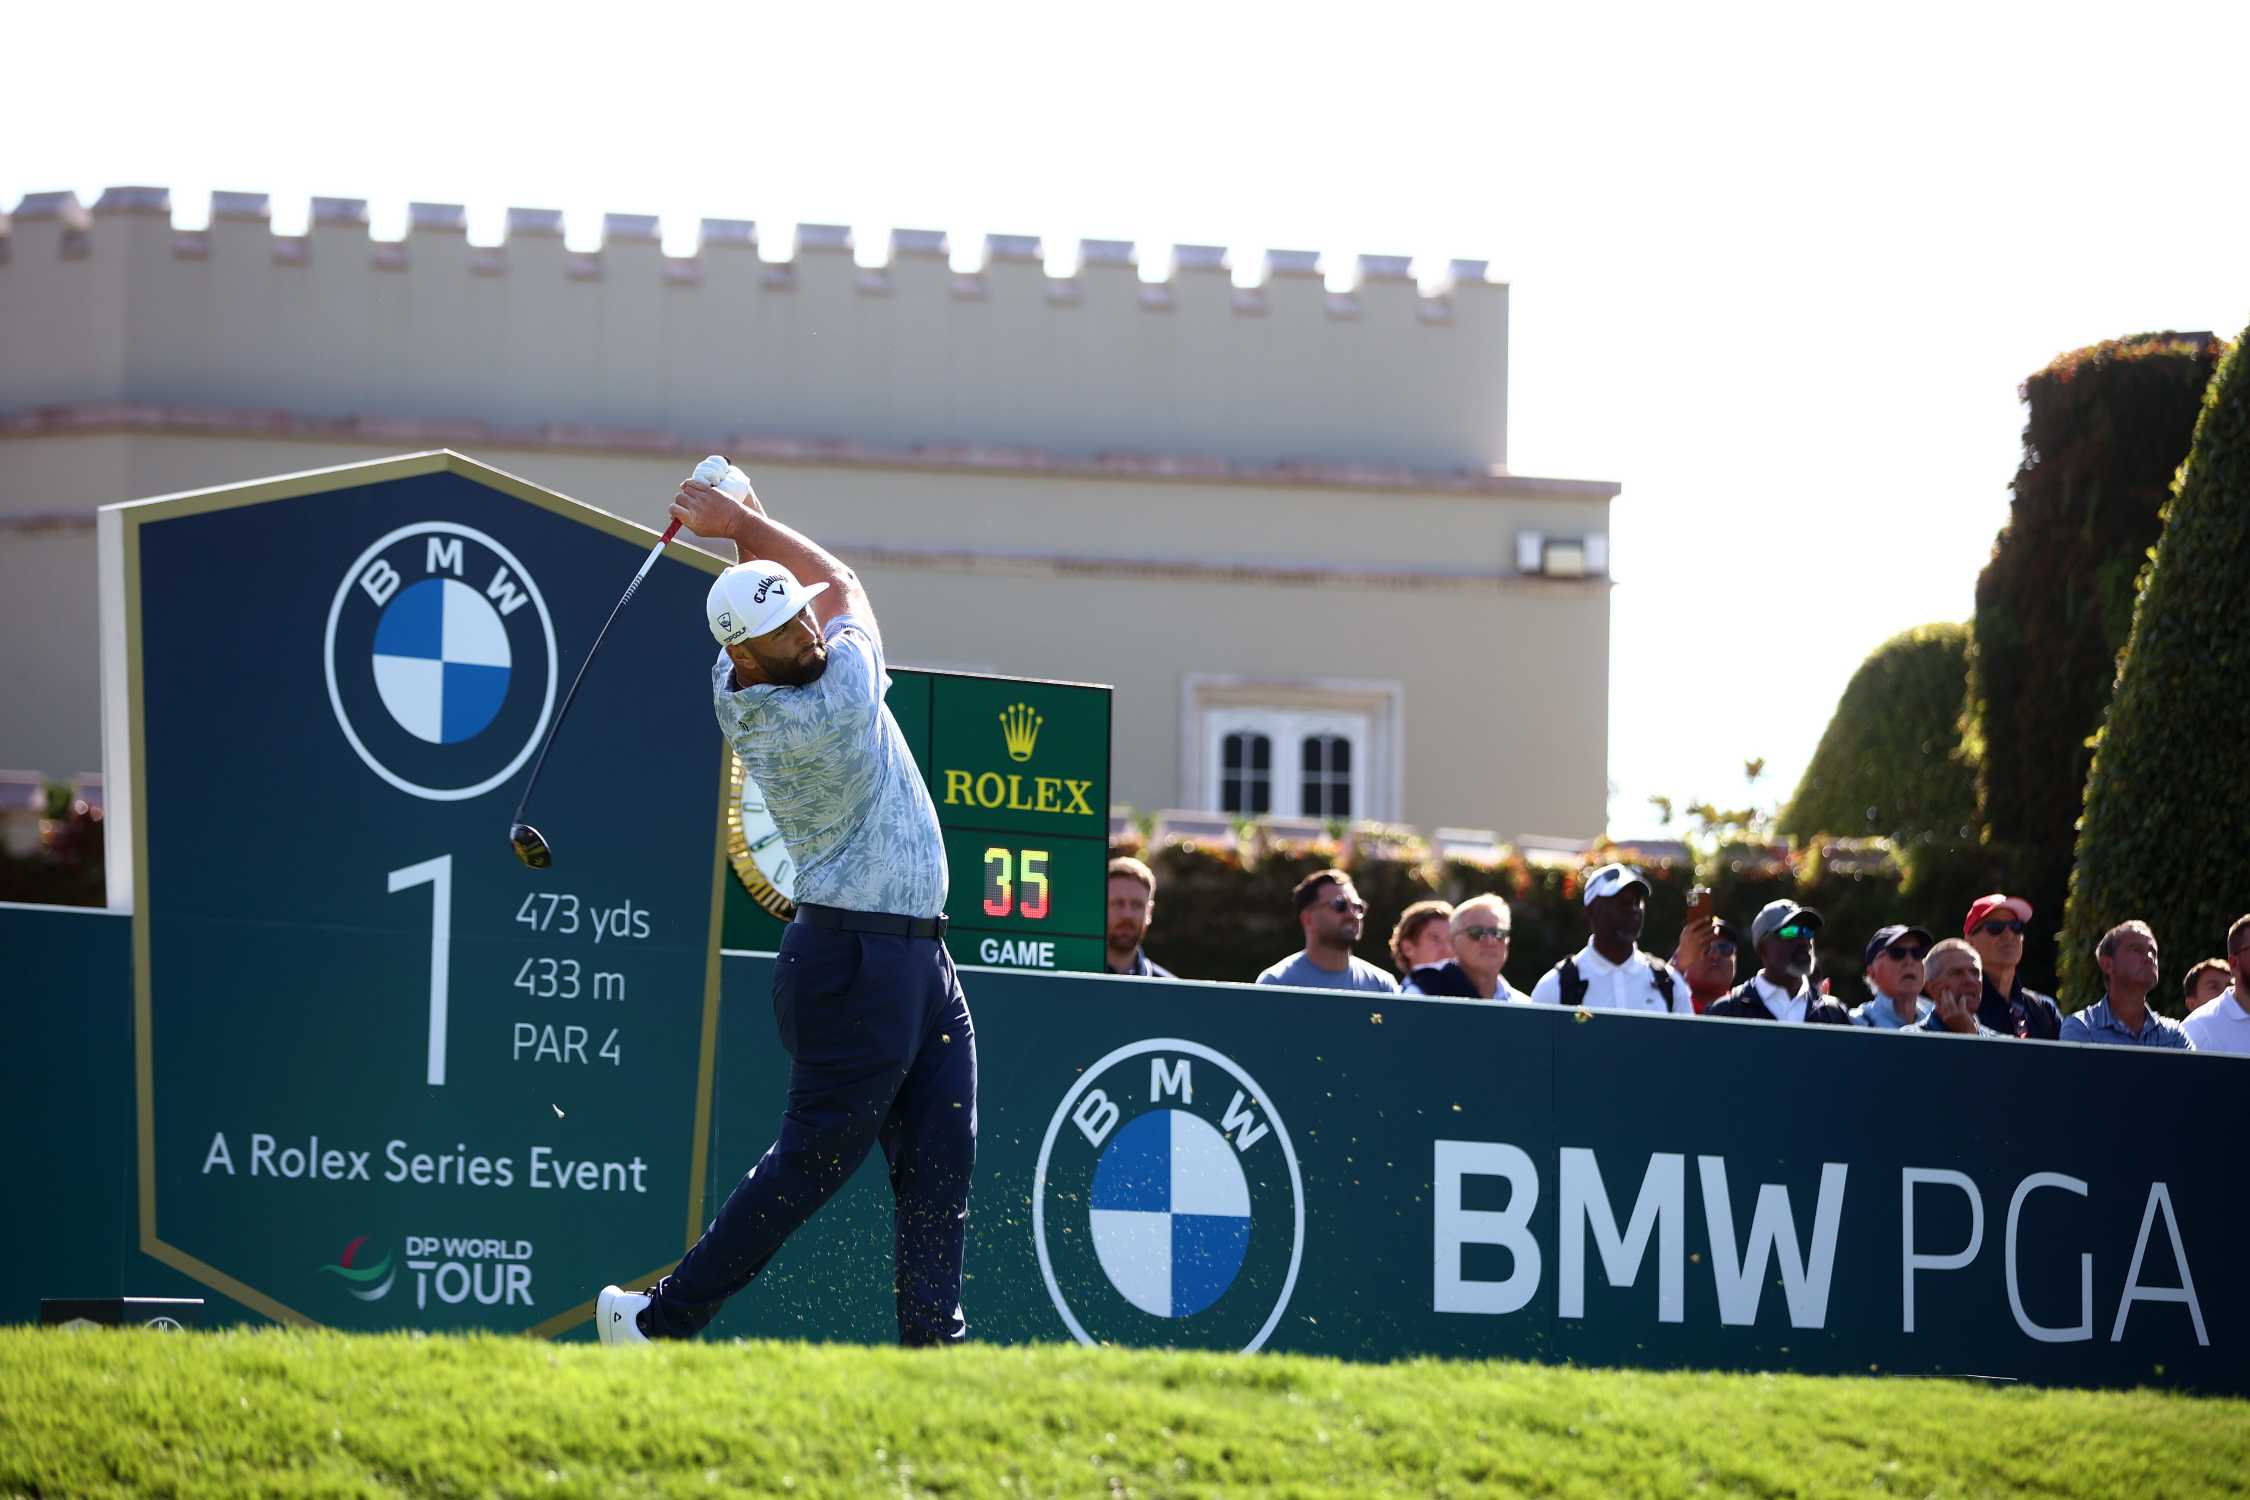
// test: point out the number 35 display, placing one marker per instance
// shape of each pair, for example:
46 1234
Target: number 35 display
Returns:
1019 773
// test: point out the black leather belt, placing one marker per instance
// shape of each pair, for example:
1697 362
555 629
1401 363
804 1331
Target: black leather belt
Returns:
888 924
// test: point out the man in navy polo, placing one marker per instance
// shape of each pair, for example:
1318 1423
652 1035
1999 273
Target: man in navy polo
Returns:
1995 928
870 1010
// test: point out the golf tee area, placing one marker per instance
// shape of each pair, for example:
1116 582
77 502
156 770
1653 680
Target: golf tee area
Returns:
285 1412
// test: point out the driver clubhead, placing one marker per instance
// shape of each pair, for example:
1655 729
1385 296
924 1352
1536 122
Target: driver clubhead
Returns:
530 846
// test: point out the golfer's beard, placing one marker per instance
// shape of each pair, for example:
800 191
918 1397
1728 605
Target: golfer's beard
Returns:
1798 968
798 673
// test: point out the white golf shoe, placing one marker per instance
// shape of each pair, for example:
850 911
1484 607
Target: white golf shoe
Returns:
617 1316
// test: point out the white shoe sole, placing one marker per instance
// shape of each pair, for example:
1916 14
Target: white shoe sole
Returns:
616 1313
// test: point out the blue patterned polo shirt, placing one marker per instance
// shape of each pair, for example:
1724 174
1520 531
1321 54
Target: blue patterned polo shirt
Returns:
842 787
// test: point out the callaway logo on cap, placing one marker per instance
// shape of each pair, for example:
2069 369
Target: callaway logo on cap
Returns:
755 598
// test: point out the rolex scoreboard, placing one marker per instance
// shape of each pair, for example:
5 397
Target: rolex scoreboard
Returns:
1019 773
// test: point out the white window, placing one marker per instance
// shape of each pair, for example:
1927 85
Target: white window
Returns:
1317 749
1299 765
1245 779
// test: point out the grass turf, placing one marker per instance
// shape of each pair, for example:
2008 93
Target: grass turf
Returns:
290 1413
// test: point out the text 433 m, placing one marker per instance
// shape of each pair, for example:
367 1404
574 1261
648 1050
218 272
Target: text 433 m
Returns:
564 979
564 915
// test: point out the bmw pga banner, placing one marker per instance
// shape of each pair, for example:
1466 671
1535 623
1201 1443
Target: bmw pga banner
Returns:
387 1075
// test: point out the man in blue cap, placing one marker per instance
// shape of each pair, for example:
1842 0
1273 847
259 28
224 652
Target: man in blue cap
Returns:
1894 958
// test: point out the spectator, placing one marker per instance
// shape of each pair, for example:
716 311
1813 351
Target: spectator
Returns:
1132 906
2204 983
2127 955
1480 941
2223 1025
1330 911
1783 989
1424 935
1954 982
1994 928
1610 973
1894 958
1705 958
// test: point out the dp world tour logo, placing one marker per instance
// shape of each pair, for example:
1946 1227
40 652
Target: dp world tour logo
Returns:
441 661
367 1283
1167 1207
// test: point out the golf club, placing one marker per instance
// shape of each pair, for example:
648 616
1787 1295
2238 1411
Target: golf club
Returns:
530 844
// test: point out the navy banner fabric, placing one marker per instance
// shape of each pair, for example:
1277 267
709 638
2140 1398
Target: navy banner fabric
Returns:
1226 1167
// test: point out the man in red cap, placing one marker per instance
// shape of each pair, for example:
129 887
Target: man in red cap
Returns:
1994 927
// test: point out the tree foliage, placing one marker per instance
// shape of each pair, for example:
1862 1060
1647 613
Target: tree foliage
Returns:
1891 761
2162 837
2105 431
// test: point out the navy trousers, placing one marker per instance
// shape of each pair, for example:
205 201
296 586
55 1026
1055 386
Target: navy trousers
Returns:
881 1051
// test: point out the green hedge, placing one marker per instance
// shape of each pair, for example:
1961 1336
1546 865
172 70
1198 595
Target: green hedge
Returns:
1225 914
2162 838
1891 762
2105 431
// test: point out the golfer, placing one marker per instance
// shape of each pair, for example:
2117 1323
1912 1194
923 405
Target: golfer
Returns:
869 1007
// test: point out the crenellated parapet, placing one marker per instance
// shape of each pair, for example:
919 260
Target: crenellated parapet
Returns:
115 304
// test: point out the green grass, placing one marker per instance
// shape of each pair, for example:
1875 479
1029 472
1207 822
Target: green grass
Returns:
285 1413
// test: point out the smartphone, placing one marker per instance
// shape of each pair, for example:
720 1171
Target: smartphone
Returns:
1699 904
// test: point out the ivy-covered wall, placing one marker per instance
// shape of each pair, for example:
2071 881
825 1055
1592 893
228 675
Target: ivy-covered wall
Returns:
1891 763
2105 432
2164 832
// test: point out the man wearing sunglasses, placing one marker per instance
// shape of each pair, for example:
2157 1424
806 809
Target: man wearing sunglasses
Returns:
1783 989
1332 915
1611 972
1995 927
1480 948
1894 959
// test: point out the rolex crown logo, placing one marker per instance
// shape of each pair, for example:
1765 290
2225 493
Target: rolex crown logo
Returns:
1019 726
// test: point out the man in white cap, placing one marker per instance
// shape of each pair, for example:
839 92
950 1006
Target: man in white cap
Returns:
865 995
1610 972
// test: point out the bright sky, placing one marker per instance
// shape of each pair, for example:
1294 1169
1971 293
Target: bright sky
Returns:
1777 270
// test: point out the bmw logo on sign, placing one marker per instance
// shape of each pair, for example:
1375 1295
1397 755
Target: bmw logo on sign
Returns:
441 661
1168 1208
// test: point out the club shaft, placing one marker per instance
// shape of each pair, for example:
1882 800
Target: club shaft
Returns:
570 697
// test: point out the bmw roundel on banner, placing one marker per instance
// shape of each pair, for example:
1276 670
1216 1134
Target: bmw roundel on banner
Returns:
441 660
1168 1206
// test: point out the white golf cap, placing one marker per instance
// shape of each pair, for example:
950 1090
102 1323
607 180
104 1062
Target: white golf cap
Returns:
1609 880
755 598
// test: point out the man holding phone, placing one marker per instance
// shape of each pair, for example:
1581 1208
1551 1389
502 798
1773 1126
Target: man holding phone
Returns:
1705 954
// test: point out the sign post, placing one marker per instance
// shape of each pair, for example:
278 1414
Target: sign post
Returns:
386 1075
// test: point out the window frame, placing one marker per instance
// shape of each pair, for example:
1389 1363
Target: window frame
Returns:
1368 715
